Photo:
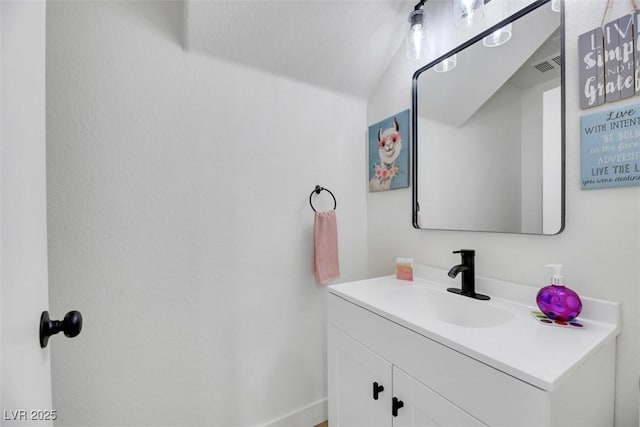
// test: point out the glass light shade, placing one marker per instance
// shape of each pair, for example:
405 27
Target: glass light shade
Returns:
416 42
446 64
498 37
467 12
555 5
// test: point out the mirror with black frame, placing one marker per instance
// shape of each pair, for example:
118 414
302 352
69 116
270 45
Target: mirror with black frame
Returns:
488 134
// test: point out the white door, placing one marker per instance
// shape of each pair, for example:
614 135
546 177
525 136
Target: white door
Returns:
25 378
422 407
359 384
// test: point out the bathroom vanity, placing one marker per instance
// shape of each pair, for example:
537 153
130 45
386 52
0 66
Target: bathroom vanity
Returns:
411 354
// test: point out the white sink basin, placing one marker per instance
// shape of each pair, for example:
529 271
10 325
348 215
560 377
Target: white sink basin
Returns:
448 307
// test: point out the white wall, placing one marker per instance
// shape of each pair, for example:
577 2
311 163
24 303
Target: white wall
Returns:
180 225
552 160
541 209
531 160
599 246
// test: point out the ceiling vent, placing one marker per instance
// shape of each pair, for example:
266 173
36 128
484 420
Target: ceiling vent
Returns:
548 64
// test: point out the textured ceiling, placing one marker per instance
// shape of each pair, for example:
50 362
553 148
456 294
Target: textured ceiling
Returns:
341 45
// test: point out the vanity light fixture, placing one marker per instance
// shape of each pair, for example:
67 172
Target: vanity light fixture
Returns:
467 12
416 42
446 64
499 36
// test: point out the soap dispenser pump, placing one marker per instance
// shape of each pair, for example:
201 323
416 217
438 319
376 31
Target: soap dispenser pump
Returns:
556 300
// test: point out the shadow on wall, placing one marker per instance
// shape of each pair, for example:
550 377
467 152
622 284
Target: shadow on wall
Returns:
164 17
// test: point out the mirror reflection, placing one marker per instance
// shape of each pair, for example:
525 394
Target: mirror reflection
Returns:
488 131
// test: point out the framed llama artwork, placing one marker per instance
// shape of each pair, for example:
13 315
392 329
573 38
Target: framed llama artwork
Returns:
389 153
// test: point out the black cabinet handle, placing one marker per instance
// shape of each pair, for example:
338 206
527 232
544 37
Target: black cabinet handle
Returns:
71 325
377 389
396 404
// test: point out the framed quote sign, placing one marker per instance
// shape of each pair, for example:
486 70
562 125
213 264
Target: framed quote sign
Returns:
610 148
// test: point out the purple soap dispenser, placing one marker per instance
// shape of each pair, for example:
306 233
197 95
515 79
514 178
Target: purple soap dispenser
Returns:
557 301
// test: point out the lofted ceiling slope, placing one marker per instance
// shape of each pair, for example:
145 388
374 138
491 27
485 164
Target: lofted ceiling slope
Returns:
340 45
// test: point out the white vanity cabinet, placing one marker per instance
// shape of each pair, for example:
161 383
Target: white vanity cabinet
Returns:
422 407
362 383
441 382
368 391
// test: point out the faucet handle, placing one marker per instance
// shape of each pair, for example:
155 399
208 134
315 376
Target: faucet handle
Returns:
464 252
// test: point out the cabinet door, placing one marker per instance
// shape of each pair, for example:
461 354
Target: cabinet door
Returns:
422 407
353 370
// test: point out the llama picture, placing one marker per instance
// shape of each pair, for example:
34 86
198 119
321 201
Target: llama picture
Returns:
389 153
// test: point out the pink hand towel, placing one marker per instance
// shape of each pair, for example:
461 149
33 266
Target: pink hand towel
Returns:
325 246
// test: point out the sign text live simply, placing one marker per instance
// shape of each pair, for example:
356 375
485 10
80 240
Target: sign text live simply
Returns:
609 59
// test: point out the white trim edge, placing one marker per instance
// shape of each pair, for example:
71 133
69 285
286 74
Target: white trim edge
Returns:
307 416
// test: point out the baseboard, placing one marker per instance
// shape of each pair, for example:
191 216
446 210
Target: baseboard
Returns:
307 416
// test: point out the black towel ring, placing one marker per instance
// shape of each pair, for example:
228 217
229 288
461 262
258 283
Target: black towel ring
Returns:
317 190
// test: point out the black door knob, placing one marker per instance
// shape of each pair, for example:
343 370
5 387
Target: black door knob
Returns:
71 325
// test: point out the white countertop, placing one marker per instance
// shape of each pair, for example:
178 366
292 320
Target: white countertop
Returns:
517 344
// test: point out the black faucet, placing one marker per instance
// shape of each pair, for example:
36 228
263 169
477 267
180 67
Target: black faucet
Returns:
468 270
